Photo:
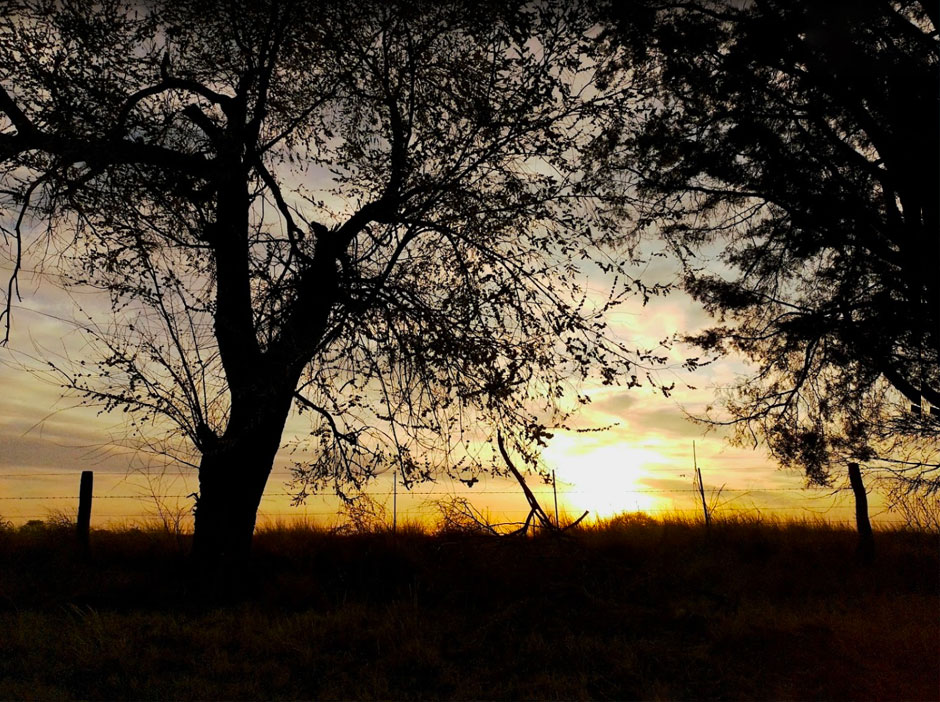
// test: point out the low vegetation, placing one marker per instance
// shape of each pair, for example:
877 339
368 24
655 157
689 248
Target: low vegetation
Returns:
631 608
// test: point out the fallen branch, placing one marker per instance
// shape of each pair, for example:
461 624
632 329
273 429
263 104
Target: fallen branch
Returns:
535 508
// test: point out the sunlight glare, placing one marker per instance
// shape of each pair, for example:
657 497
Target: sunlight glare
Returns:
605 479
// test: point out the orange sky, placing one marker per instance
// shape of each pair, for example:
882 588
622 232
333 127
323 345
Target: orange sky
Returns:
643 462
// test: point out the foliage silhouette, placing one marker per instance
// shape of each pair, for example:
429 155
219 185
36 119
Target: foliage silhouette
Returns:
802 138
372 212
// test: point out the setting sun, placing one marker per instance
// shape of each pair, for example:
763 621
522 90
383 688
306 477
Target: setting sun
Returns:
605 479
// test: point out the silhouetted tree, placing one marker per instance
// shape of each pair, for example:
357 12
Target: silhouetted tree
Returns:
802 138
371 211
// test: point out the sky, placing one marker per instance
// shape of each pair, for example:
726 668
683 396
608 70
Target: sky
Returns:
641 461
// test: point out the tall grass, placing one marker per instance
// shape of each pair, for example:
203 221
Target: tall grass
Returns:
626 608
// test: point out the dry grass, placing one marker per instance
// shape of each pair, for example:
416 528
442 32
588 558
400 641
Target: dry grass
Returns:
628 609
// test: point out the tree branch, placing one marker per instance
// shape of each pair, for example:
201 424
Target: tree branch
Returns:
168 83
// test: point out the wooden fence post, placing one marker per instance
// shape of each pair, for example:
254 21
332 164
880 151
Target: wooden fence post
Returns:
555 492
84 508
866 539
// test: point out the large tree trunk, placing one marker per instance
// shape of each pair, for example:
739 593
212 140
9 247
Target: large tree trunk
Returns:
232 477
231 483
261 383
866 538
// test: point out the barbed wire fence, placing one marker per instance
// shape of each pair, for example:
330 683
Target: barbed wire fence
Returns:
126 502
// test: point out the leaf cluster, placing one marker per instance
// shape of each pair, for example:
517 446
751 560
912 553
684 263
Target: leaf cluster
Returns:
798 140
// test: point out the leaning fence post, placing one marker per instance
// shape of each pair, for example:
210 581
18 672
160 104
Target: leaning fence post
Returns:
84 508
701 488
866 539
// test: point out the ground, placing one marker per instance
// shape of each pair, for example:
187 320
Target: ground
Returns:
631 609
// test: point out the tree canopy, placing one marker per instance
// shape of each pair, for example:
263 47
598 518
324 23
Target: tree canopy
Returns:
374 212
802 139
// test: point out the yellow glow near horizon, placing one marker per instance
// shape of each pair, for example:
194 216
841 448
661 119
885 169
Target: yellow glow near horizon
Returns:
605 479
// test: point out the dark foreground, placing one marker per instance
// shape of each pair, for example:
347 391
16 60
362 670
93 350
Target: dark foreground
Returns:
630 610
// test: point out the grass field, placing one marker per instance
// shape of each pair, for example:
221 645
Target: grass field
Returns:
629 609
